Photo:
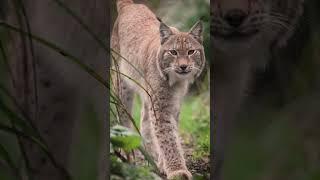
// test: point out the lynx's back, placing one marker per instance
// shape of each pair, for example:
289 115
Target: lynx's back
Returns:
136 33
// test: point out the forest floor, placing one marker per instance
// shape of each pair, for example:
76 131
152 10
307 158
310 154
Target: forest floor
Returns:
199 167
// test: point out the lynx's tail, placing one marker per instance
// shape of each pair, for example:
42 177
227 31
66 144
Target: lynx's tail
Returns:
123 3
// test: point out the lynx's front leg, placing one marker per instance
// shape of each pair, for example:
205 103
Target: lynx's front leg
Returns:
164 127
146 131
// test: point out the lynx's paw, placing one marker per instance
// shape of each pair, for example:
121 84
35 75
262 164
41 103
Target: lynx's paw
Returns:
180 175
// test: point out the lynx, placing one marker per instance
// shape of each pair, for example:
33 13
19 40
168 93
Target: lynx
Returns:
244 34
164 62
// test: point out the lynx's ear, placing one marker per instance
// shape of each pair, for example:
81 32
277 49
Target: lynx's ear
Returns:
196 31
160 65
165 32
201 63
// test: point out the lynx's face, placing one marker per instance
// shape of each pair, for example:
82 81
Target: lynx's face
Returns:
246 24
181 55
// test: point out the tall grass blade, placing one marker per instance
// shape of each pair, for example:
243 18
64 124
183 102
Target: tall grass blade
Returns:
42 146
5 156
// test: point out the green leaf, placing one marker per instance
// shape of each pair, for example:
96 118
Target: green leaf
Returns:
120 170
111 148
122 137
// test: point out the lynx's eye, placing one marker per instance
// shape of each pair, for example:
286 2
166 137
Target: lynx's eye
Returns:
190 52
173 52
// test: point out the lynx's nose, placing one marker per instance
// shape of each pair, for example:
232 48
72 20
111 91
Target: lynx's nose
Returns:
183 67
235 17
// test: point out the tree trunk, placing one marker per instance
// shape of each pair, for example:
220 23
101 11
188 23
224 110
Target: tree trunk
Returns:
57 95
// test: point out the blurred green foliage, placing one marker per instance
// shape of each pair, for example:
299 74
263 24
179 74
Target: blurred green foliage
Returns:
124 142
127 171
121 137
195 123
86 147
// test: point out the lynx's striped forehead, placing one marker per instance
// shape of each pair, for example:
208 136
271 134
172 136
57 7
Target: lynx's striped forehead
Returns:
183 41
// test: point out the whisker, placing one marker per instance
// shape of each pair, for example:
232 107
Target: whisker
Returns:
279 14
271 16
198 69
283 25
279 18
168 69
279 23
269 28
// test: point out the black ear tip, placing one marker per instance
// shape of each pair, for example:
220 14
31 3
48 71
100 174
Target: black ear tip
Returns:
199 23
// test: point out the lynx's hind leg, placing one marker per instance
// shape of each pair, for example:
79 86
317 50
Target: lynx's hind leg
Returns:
121 88
145 128
148 135
126 95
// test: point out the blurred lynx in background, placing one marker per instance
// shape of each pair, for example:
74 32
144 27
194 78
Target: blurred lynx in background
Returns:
245 34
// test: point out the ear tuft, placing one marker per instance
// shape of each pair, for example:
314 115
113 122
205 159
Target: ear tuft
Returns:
165 32
196 31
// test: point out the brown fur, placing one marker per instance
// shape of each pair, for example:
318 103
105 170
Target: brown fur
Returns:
158 52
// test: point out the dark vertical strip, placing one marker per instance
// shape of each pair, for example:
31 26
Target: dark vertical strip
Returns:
212 107
212 122
217 132
108 62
